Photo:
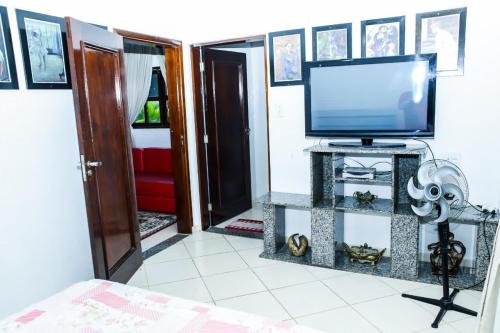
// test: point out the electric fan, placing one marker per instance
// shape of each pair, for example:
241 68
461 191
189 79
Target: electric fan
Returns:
445 189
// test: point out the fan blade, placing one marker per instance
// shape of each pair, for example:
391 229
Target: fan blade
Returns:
414 192
455 190
424 210
443 172
423 174
445 210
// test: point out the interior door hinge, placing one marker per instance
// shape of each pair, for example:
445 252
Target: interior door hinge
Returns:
205 138
210 207
202 66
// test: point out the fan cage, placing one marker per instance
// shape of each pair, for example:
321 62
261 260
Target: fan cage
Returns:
456 209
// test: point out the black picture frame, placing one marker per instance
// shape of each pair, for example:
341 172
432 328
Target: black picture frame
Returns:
462 22
8 74
342 26
59 50
272 46
388 20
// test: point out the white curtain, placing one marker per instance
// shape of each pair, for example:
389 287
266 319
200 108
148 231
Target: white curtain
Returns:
138 72
163 67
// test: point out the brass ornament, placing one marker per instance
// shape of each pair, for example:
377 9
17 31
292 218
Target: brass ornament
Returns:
456 254
363 253
364 197
297 249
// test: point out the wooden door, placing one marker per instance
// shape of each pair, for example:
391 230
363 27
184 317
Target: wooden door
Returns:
228 153
99 91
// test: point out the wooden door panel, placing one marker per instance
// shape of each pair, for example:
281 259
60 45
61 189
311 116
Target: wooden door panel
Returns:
227 128
228 76
96 62
110 178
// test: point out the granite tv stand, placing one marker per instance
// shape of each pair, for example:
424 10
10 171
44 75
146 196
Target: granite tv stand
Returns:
324 203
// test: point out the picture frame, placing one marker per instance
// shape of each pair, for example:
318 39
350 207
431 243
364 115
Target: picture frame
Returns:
286 57
383 37
443 32
332 42
8 73
44 49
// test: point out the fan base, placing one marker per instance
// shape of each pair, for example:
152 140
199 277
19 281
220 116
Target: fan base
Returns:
446 304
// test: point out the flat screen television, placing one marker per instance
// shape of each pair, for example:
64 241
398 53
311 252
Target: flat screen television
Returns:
386 97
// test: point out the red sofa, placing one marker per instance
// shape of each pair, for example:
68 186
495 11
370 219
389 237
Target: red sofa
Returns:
154 181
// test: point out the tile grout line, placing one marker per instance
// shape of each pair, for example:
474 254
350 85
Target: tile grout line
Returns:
352 307
201 277
265 286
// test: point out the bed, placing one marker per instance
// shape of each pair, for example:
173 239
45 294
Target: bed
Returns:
102 306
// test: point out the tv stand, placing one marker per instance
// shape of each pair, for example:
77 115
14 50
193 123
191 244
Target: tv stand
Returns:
368 143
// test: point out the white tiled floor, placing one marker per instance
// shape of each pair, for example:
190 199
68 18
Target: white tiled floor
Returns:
226 271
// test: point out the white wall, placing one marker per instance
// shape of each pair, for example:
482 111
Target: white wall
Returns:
44 238
39 127
151 137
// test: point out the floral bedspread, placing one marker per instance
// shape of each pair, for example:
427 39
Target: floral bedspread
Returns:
101 306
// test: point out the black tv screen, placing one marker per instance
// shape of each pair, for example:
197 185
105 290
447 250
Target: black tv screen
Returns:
371 97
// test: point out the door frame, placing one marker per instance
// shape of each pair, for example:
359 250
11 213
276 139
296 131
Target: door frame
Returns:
199 104
178 130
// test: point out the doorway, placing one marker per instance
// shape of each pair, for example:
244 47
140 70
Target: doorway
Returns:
230 95
158 137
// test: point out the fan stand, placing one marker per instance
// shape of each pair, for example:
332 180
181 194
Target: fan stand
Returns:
446 302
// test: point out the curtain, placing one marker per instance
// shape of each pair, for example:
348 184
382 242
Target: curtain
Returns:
138 73
163 68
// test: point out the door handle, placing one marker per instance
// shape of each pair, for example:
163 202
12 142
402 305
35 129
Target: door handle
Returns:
93 164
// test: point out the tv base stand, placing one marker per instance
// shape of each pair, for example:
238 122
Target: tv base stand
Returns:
368 143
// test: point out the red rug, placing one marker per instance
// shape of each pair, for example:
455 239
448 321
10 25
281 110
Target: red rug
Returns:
246 225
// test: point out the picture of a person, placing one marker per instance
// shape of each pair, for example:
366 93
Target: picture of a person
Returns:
383 41
336 46
289 64
445 44
37 50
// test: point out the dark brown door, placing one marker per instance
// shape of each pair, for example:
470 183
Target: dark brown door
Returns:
228 153
97 71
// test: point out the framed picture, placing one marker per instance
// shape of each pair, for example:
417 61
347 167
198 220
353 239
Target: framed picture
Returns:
45 52
332 42
8 74
383 37
286 56
443 32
